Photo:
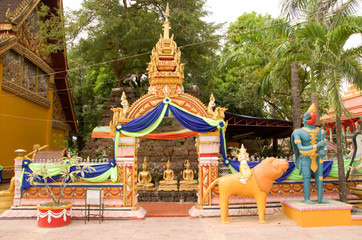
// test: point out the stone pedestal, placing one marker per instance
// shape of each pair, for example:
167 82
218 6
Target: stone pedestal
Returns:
188 187
332 213
17 190
167 187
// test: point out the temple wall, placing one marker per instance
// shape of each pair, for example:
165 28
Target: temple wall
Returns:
178 151
103 143
21 125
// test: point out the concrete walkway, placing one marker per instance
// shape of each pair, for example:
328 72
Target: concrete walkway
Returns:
161 228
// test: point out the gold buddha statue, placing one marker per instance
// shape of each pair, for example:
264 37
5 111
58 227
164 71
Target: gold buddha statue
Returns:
189 183
244 168
168 183
145 178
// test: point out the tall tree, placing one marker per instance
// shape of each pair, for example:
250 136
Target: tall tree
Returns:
325 27
309 12
114 38
339 64
119 29
281 73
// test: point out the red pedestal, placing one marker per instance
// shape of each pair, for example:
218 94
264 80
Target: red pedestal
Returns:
54 216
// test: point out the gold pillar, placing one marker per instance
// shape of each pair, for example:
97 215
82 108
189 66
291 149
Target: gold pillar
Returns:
208 145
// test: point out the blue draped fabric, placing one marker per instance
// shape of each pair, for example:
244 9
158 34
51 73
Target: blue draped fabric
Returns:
327 167
236 164
25 184
1 173
286 174
98 170
144 121
190 121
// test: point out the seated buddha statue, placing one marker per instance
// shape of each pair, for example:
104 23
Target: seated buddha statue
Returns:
145 178
168 183
188 184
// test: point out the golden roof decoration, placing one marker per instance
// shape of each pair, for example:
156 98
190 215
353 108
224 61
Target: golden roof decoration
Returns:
20 10
165 72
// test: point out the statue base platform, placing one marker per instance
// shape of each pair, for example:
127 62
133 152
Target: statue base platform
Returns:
190 187
167 187
146 188
332 213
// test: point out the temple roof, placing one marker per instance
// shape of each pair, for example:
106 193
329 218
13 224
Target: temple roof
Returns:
8 4
352 101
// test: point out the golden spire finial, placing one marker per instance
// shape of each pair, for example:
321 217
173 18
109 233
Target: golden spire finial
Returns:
167 12
166 24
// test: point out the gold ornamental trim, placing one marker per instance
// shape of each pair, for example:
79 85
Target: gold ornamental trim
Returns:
7 45
18 15
214 133
313 134
60 125
6 37
25 93
33 58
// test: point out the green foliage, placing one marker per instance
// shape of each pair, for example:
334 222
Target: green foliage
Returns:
121 34
59 141
116 30
90 88
244 63
51 29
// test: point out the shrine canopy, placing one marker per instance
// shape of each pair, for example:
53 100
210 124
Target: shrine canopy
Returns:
149 122
353 103
242 126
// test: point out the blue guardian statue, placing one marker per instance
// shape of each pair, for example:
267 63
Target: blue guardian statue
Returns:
309 149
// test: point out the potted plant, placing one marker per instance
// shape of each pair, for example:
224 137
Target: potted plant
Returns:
56 213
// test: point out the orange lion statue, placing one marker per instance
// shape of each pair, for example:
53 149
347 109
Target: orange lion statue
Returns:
257 186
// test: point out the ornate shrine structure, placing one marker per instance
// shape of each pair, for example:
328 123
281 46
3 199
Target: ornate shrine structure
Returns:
166 77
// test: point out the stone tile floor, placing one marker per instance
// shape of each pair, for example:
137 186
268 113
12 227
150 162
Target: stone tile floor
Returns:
161 228
165 209
176 228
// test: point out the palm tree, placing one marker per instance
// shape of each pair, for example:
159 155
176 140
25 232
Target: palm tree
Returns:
282 63
310 12
324 28
339 64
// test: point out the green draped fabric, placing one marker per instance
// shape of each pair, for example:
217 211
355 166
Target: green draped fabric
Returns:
334 171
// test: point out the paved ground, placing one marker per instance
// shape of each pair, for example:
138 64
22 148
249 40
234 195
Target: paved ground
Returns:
280 227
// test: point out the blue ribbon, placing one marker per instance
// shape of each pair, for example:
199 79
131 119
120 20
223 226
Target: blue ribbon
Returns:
327 167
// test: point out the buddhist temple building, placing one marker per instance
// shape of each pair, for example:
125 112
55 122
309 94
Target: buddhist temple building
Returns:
35 101
352 101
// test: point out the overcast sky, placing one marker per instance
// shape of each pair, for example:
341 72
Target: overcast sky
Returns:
229 10
222 10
